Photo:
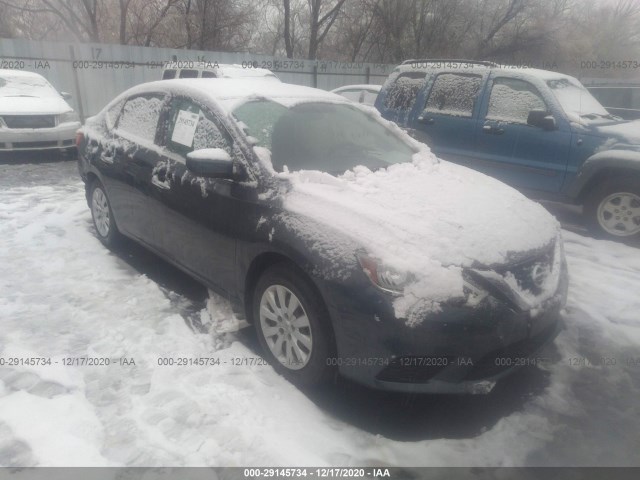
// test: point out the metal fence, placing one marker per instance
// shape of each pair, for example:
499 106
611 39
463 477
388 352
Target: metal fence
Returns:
95 73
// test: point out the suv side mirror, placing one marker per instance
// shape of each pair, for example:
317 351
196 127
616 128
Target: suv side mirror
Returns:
66 95
541 119
210 162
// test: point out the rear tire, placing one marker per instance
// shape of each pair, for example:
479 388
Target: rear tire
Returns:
102 216
613 209
293 327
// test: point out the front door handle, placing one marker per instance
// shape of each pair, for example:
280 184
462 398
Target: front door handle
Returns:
159 178
426 121
492 130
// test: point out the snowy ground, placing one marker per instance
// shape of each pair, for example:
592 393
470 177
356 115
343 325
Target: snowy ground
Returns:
62 295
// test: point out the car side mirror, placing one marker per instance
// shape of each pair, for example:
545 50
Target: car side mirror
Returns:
210 162
541 119
66 95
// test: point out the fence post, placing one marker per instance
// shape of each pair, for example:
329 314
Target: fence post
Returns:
315 75
76 83
367 74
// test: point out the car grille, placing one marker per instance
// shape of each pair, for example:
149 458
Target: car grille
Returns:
532 272
46 144
30 121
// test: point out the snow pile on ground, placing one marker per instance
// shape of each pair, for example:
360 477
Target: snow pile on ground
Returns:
427 218
63 295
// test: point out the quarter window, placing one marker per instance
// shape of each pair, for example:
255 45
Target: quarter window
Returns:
140 116
402 94
512 99
454 94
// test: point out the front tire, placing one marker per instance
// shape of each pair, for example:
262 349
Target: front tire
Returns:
102 216
292 326
613 210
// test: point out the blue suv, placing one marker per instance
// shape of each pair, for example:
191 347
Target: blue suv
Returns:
539 131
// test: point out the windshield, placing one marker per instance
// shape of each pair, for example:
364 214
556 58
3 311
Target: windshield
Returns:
576 99
25 86
328 137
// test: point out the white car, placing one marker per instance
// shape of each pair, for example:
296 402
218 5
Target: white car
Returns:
33 115
190 69
365 94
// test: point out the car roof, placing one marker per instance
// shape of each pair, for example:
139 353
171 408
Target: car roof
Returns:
19 73
228 93
225 69
469 67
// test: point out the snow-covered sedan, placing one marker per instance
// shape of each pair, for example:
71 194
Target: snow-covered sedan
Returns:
33 115
347 244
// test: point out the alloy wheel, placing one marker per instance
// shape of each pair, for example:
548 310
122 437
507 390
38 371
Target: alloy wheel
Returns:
100 210
286 327
619 214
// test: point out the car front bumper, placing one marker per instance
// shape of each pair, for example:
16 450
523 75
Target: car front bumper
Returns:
55 138
457 350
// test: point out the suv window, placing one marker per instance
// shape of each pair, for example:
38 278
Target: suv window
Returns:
512 99
454 94
168 74
188 73
140 116
402 94
191 128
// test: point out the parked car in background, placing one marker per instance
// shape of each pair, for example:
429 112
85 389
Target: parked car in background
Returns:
404 273
539 131
33 115
365 94
190 69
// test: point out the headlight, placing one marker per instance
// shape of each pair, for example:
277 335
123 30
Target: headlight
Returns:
70 116
385 278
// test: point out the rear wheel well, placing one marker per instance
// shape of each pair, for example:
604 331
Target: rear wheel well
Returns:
91 178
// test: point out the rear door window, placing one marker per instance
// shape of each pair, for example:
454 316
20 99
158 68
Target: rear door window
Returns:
187 73
169 74
512 99
401 95
208 74
454 94
140 115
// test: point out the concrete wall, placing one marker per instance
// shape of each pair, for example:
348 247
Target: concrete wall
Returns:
95 73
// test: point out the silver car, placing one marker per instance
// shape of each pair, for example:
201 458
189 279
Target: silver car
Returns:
33 115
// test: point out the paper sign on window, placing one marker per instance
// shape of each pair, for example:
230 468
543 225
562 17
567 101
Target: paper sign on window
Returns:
185 128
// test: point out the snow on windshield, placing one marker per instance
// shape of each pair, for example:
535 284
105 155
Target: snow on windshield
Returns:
574 98
25 86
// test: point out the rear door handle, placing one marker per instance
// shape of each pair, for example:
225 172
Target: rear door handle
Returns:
426 121
492 130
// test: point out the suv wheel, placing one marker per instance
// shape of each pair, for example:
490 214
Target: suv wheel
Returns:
103 216
292 326
613 210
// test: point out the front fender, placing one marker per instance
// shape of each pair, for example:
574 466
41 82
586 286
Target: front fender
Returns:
608 161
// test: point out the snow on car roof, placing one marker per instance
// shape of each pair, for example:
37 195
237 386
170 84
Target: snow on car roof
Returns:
227 70
18 73
363 86
476 68
229 93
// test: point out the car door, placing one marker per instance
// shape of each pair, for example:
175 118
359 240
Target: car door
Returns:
447 122
510 149
399 96
135 152
198 211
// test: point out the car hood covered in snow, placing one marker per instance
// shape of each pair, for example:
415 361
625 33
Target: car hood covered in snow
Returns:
33 106
429 218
